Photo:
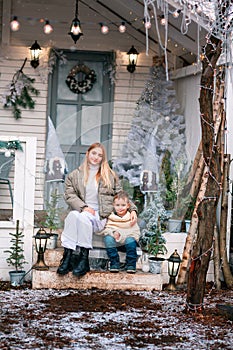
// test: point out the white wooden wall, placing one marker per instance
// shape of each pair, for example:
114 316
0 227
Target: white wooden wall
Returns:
24 189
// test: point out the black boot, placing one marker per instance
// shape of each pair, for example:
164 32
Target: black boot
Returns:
65 264
75 258
83 265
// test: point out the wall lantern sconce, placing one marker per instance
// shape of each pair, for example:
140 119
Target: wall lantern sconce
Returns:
35 50
133 56
75 28
41 238
173 268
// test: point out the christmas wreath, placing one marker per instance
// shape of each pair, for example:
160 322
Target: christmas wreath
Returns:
83 86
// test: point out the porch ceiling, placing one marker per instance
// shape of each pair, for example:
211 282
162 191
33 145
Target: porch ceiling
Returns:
181 48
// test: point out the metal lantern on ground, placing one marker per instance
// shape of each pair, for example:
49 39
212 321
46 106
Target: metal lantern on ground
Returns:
35 50
133 56
173 268
41 238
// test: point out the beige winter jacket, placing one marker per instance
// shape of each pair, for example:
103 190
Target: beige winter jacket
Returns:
121 225
75 193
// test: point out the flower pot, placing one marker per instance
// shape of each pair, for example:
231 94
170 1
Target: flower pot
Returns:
52 241
145 262
174 225
17 278
155 264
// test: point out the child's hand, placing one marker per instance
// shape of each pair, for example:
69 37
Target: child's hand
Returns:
116 235
90 210
133 218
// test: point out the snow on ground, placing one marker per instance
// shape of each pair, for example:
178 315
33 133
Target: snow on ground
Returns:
93 319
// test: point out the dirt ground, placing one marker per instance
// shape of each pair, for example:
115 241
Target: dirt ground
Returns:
97 319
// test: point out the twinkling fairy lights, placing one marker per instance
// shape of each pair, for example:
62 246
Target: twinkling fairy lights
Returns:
215 16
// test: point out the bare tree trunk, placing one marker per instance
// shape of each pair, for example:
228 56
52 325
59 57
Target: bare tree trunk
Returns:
193 228
197 179
216 260
223 224
206 210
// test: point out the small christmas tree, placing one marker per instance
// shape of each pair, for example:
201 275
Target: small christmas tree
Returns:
52 219
16 253
157 127
154 217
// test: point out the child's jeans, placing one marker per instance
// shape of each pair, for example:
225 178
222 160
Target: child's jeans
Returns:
130 248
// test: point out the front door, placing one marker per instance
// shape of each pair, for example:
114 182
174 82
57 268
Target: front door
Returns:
82 117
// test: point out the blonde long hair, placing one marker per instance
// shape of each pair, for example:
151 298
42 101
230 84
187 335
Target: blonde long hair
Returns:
104 171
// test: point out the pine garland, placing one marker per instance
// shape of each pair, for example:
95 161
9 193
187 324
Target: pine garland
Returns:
19 94
14 145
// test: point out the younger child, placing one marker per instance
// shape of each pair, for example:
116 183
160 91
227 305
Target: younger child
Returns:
119 230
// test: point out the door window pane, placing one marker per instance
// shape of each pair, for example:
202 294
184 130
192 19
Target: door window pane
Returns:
91 124
95 94
63 92
67 124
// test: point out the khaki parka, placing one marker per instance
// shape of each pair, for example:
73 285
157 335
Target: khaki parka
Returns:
75 193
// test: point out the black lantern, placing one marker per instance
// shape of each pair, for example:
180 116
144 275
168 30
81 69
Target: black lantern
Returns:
75 28
40 243
173 268
133 56
35 50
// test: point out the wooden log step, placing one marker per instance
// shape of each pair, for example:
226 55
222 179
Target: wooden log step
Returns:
139 281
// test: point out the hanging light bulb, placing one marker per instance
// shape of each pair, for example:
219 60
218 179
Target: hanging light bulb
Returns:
198 9
163 20
47 27
14 24
104 28
176 13
147 24
122 27
75 28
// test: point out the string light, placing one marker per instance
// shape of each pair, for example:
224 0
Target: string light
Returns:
147 24
163 20
122 27
104 28
14 24
176 13
47 27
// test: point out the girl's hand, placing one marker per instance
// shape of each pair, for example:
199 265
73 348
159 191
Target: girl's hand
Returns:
90 210
116 235
133 218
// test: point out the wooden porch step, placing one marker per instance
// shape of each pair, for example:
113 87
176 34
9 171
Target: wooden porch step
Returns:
99 277
53 257
106 280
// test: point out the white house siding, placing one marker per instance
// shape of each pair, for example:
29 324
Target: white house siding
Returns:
24 180
0 19
32 122
128 89
187 86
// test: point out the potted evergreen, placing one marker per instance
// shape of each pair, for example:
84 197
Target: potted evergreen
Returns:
152 241
51 220
177 196
16 257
